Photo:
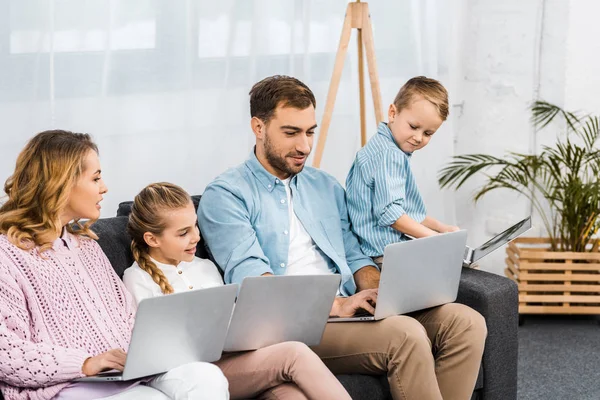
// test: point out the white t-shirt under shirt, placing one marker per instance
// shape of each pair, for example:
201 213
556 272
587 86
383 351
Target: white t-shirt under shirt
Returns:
196 274
304 257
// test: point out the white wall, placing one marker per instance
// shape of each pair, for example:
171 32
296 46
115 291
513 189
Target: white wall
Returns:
513 53
583 57
189 122
163 86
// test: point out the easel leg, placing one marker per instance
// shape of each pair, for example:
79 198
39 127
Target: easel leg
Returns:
333 86
361 89
372 65
357 16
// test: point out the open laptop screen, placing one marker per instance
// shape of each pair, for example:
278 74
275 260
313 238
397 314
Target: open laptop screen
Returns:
501 239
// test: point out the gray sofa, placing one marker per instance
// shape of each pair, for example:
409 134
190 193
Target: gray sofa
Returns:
493 296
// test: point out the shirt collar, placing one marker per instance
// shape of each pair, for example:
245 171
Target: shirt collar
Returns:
268 180
67 240
384 130
166 267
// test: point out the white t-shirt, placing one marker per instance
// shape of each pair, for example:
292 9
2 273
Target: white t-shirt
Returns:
196 274
304 257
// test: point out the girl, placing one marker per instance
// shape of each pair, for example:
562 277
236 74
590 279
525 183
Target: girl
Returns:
164 232
64 313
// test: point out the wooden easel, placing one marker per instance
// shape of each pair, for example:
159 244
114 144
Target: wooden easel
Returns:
357 16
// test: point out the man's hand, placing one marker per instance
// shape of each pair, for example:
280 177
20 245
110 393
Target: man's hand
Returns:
348 306
112 359
367 278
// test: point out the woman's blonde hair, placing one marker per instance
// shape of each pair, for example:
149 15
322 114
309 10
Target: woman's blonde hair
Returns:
38 191
147 215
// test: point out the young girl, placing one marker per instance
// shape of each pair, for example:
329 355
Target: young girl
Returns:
164 233
64 313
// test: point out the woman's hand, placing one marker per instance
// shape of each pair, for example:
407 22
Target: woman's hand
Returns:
112 359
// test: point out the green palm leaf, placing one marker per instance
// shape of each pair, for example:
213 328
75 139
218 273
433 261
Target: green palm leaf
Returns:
563 177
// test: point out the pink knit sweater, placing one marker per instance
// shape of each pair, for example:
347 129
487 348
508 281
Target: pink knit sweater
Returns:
56 309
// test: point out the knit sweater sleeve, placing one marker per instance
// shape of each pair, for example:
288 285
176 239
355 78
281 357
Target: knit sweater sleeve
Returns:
23 362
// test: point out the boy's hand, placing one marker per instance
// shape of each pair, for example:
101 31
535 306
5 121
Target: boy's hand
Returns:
449 228
410 227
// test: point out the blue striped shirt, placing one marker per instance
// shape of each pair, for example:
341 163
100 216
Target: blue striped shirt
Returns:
380 188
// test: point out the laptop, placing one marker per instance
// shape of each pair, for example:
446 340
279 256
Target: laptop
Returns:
276 309
174 330
417 274
474 255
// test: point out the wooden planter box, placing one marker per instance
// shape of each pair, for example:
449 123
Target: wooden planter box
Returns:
553 282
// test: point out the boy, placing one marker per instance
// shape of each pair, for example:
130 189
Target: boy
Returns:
384 203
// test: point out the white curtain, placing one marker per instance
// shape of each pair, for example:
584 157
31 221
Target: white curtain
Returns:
163 85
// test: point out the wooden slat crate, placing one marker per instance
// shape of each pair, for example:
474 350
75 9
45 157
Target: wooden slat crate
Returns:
553 282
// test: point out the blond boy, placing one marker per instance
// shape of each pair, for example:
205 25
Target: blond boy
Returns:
384 202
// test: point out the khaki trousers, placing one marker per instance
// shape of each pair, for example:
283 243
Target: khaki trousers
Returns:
288 370
430 354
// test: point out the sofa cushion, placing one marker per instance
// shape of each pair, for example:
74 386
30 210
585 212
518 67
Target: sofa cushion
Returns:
366 386
115 242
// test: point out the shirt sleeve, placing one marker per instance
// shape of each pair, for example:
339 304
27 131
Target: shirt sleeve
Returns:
25 363
355 258
224 221
138 285
389 188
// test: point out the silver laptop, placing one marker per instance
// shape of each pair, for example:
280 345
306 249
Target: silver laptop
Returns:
418 274
474 255
174 330
275 309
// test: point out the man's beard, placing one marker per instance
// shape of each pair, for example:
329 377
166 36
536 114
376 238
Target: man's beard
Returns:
279 163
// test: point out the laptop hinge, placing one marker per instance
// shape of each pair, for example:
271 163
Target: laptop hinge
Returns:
468 259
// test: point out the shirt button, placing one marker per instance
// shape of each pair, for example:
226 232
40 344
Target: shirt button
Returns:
191 287
270 186
180 272
276 180
282 201
282 265
285 232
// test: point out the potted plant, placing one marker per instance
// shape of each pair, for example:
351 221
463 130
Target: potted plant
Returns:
559 273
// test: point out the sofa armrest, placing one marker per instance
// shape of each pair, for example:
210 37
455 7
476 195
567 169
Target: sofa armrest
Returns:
496 298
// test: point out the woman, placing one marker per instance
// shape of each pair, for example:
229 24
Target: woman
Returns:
64 313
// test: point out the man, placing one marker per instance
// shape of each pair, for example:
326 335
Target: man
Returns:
272 215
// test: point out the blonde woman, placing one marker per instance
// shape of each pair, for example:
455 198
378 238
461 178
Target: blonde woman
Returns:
64 313
164 233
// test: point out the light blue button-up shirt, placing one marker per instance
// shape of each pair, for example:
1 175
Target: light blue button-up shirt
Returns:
243 217
381 188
